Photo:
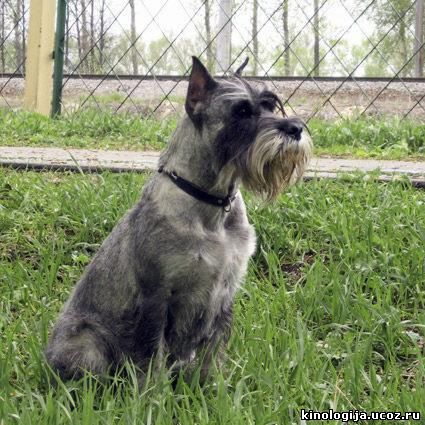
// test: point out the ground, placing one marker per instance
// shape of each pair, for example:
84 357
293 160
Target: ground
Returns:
331 315
321 99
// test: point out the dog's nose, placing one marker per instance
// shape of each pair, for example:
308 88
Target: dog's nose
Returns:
292 128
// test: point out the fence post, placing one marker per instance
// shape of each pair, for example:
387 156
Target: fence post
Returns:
58 56
419 38
39 62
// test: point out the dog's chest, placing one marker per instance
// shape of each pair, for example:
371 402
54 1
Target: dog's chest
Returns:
217 260
210 270
226 263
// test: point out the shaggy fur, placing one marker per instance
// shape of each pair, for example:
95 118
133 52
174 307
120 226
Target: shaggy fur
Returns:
164 280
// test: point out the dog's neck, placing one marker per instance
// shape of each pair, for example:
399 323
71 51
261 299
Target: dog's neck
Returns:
191 157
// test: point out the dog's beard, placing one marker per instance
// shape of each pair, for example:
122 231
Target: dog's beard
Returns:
273 162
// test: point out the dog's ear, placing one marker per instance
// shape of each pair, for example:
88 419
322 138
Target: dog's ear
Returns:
201 84
238 72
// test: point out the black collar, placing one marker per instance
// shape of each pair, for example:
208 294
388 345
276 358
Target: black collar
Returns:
197 192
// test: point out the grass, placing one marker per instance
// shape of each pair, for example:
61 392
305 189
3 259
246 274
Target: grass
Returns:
360 138
331 316
88 129
370 137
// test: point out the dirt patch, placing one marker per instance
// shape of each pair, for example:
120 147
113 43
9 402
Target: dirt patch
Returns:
295 270
325 99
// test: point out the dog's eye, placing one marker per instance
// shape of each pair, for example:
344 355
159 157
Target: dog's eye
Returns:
243 110
270 105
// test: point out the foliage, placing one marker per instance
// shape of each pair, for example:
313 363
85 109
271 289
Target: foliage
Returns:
394 21
154 57
102 39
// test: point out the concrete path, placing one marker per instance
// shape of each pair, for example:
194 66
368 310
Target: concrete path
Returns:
96 160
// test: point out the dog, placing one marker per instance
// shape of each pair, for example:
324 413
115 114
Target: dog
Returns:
162 284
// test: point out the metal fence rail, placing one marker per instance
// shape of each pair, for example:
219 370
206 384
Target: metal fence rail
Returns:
326 58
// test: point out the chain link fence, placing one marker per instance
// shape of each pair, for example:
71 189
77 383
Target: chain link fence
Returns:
13 40
325 58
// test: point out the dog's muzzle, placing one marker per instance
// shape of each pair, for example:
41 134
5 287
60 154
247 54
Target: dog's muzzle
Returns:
292 127
277 158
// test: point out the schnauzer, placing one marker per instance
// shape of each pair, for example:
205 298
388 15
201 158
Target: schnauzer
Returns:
163 282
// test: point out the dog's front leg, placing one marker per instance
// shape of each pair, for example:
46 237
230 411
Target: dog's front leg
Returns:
151 348
214 347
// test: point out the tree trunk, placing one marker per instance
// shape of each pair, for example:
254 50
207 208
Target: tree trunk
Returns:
17 41
210 56
134 58
224 37
84 35
2 35
77 26
255 35
102 36
404 53
92 38
419 39
316 39
24 38
286 54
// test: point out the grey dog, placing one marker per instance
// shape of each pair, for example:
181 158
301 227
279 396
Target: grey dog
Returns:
163 282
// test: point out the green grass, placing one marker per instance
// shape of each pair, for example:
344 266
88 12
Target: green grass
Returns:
369 137
361 138
331 316
87 129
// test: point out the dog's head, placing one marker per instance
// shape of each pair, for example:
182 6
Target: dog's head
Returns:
264 150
